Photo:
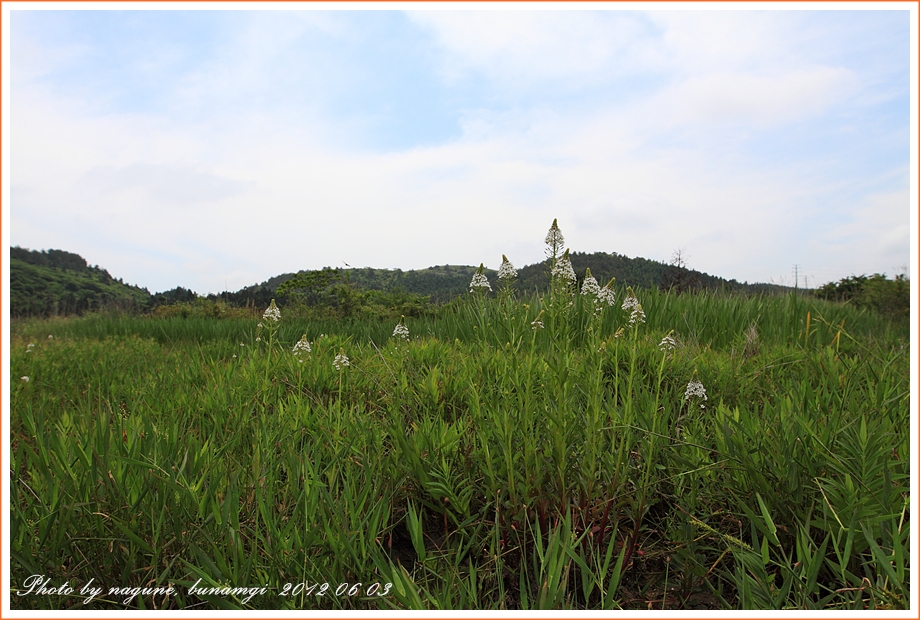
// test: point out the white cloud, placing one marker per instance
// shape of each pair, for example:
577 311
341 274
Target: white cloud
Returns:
699 42
525 48
879 225
240 192
163 185
756 101
279 202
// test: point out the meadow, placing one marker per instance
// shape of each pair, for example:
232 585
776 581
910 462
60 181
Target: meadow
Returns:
593 448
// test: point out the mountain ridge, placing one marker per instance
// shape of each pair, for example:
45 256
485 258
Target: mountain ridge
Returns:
60 282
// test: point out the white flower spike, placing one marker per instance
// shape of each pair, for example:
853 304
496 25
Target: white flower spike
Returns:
272 313
341 361
480 281
667 343
630 302
637 314
401 331
606 294
302 346
554 240
506 272
563 269
590 286
695 389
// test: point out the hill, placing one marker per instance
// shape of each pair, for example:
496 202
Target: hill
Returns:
51 282
58 282
444 282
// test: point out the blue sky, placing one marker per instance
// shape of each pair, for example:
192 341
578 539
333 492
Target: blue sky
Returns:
217 148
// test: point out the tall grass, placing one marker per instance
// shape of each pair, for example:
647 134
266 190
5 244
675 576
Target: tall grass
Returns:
487 463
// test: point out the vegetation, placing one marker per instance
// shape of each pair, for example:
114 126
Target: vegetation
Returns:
596 447
58 282
889 297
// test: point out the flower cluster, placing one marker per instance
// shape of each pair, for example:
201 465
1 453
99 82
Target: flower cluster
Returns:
606 294
341 361
401 331
272 313
554 240
599 296
637 314
563 270
302 346
506 272
590 286
480 281
667 343
630 302
695 389
29 347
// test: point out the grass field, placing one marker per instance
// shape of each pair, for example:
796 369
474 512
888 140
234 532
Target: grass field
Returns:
510 454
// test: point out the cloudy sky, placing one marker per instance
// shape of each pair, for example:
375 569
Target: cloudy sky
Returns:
214 149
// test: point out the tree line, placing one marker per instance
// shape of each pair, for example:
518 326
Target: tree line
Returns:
57 282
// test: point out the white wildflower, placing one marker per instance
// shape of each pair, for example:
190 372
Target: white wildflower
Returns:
259 325
401 331
554 240
695 389
302 346
507 271
29 347
26 379
258 339
667 343
606 294
272 313
637 314
341 361
590 286
630 302
480 281
563 269
50 337
234 355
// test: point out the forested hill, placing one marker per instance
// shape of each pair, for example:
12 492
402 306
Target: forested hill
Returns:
636 272
59 282
444 282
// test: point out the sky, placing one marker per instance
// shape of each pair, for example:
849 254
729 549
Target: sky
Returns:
214 149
